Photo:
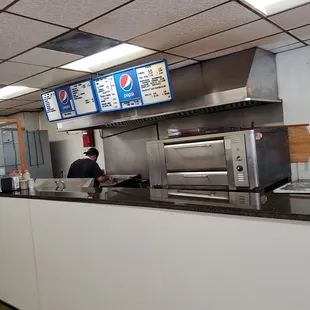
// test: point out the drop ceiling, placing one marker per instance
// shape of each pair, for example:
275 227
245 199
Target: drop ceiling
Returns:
182 31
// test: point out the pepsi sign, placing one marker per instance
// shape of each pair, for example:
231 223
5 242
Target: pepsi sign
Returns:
126 82
63 97
127 86
135 87
65 102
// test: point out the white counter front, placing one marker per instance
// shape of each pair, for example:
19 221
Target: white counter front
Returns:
77 256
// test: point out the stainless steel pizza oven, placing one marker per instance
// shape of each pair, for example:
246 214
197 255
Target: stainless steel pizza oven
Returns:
246 159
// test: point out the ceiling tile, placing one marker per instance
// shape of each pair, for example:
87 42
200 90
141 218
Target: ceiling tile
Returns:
21 106
23 33
44 57
224 52
4 3
288 47
50 78
172 58
142 16
33 105
11 72
80 43
12 104
302 33
30 97
202 25
182 64
293 18
275 41
70 13
226 39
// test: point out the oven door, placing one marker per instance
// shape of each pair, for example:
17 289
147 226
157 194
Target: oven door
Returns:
196 156
214 178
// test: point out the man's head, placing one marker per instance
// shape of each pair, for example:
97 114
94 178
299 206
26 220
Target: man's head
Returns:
92 153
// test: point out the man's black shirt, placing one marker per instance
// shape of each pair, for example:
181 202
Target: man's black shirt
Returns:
85 168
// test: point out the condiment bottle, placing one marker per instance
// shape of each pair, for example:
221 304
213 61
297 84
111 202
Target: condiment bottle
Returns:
14 176
26 175
23 184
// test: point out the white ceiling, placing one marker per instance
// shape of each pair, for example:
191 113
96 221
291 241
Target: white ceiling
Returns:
142 16
44 57
182 31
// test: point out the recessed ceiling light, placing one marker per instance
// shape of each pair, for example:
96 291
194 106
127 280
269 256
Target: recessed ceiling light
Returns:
10 92
111 57
269 7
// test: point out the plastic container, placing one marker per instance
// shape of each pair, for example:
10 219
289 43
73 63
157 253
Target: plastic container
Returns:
31 183
15 177
26 175
23 184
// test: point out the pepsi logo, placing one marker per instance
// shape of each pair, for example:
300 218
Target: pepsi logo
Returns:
63 97
126 82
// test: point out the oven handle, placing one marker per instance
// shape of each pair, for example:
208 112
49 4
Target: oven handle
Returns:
195 176
202 175
211 196
193 145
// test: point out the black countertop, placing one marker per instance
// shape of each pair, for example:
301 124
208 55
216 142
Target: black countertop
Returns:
278 206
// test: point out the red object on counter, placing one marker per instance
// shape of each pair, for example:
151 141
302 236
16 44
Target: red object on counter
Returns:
88 138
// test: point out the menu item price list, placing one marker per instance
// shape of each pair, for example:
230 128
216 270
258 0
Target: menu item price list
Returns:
51 106
132 104
83 98
154 83
107 93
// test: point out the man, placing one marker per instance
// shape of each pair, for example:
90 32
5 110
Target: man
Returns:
87 167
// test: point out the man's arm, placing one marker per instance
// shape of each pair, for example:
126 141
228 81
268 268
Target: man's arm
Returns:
98 174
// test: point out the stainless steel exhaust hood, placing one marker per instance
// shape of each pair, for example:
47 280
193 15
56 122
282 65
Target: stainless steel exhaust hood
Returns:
239 80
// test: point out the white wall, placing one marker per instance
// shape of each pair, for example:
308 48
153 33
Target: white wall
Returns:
30 120
293 69
294 84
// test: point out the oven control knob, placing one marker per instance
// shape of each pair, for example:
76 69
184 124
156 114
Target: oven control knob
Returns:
239 168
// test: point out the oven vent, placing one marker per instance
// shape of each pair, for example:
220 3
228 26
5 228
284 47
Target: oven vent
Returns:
101 121
238 140
243 200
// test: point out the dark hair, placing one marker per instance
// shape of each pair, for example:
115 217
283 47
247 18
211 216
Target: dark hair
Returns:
92 151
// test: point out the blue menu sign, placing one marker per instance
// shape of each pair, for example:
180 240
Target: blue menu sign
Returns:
70 101
131 88
135 87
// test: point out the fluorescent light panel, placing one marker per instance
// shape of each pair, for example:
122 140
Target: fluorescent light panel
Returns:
270 7
10 92
111 57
